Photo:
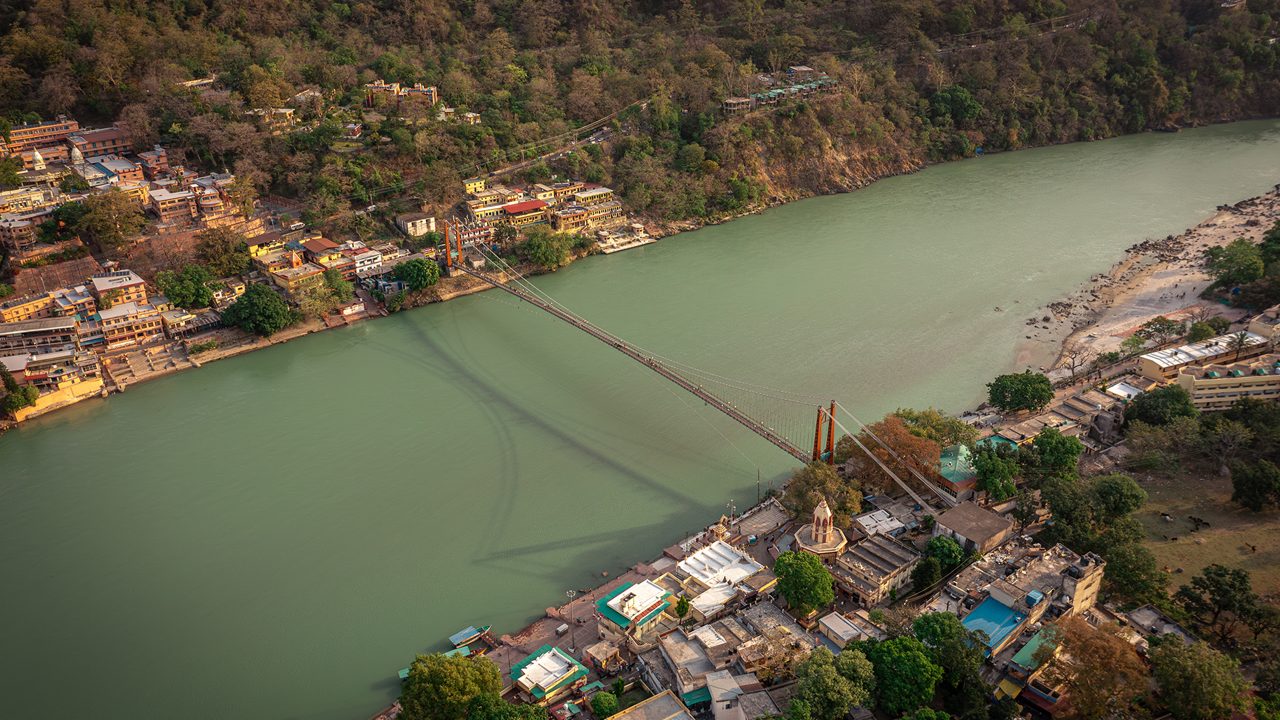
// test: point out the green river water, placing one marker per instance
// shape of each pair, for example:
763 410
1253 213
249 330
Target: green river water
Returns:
274 535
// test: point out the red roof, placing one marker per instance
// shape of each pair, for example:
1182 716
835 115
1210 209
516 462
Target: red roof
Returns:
523 207
319 245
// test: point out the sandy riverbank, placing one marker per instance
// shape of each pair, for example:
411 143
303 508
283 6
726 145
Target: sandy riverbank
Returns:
1155 277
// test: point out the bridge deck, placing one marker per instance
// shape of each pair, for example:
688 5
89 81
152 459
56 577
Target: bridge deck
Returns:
652 363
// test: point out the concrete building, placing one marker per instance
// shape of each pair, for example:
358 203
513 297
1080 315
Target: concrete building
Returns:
633 609
118 286
39 336
1216 387
51 371
873 569
20 231
297 277
101 141
1015 586
719 576
973 527
663 706
172 206
522 214
40 134
547 674
416 224
27 307
852 627
1166 364
128 323
820 536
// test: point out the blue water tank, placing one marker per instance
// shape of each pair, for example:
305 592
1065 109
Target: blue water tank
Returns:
1034 597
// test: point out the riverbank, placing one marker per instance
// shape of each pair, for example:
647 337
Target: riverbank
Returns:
1153 278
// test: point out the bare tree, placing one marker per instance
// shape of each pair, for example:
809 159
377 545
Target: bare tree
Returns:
1076 359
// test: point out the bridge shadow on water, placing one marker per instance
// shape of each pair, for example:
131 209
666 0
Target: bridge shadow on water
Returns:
499 408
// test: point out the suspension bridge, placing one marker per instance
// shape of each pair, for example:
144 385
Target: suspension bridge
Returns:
767 412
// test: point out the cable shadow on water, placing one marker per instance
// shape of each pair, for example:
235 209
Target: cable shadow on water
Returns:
485 391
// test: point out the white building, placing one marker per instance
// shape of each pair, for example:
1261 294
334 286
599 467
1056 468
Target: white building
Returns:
416 224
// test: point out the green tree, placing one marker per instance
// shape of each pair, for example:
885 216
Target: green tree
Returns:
937 426
819 481
1160 406
417 274
544 247
1160 329
1197 682
187 288
996 467
260 311
1220 600
1051 455
443 688
1219 324
926 574
16 396
1237 263
110 219
959 653
604 704
926 714
1255 485
804 582
827 693
948 553
905 675
5 290
682 607
224 251
492 707
342 289
1020 391
1133 345
1200 331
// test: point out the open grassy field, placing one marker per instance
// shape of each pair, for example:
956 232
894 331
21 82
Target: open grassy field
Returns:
1228 540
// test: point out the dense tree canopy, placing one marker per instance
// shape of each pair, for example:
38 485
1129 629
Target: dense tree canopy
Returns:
417 274
443 688
905 674
804 581
1197 682
260 311
1160 406
1021 391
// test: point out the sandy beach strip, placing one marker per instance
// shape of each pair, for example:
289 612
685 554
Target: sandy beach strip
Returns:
1155 277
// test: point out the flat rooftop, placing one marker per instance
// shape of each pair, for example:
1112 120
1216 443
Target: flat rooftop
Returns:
1203 350
719 562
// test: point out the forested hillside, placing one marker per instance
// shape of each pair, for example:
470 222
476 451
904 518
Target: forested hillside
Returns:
918 81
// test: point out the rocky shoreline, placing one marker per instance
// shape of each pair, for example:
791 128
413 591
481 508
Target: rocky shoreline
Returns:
1154 277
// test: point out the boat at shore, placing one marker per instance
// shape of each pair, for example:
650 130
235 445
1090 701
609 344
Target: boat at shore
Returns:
467 642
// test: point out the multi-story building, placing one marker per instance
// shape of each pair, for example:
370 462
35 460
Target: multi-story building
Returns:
545 193
41 335
20 231
298 277
101 141
118 286
26 199
128 323
265 243
49 371
606 215
1167 364
227 291
173 206
565 190
570 218
474 185
366 260
118 169
521 214
548 674
74 301
41 134
416 224
155 162
27 307
871 570
1216 387
973 527
593 196
633 610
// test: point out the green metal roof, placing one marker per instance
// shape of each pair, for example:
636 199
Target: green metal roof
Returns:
617 618
693 697
957 464
539 693
1026 657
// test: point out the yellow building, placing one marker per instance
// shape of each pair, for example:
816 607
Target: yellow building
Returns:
265 243
29 307
298 278
474 185
1218 387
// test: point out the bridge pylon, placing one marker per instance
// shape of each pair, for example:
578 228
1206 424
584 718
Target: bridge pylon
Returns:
826 422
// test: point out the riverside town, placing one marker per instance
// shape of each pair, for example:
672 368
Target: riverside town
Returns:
437 360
